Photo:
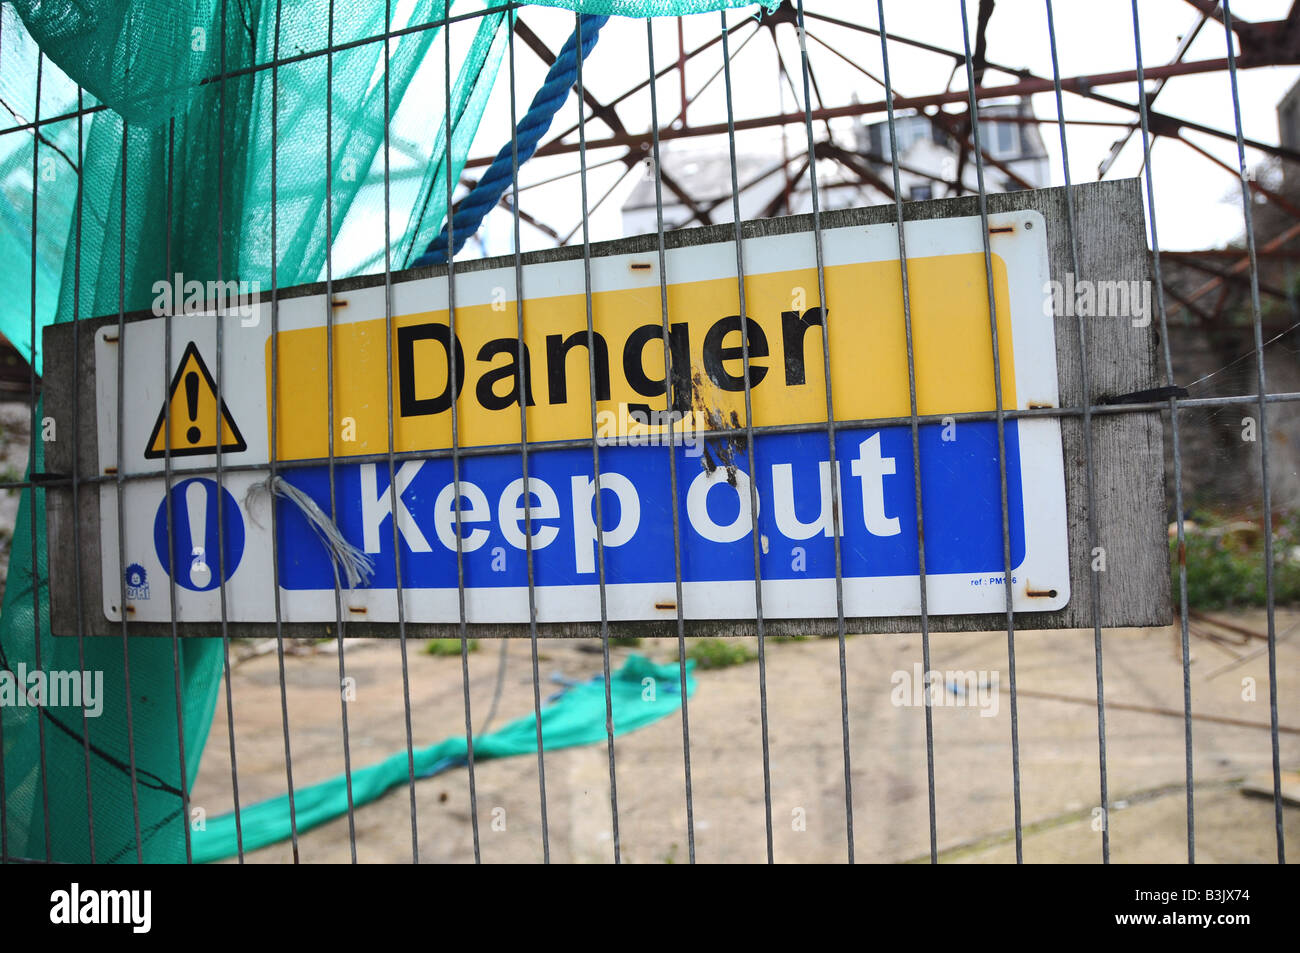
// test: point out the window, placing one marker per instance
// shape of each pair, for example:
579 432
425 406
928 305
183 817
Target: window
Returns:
1001 138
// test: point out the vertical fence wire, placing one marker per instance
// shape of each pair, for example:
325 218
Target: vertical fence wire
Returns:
455 432
749 437
275 434
523 439
836 516
1148 178
220 454
1094 582
196 552
119 487
78 595
36 566
670 396
982 197
398 593
1265 488
329 389
915 427
329 410
4 795
595 447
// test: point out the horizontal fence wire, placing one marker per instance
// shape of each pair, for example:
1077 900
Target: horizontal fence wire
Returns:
45 481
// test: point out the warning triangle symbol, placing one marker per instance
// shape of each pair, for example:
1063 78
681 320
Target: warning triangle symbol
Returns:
191 409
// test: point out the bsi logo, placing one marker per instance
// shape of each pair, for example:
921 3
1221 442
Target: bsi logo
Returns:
137 582
77 906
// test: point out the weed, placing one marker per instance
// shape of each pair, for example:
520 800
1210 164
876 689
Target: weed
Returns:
448 646
1225 563
719 653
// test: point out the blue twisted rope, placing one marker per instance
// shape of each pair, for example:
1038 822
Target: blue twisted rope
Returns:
553 94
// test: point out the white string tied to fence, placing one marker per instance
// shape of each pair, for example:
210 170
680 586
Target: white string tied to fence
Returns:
355 566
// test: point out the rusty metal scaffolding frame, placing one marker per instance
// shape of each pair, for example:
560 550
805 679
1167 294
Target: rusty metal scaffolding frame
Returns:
1260 44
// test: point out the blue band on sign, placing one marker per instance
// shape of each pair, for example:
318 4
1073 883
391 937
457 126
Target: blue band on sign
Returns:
959 482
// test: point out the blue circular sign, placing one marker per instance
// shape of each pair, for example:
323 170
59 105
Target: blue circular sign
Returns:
195 507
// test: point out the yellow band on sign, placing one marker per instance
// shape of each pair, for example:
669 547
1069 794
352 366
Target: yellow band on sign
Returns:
952 342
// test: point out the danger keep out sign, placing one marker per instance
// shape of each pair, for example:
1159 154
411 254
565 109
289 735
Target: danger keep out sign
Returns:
635 402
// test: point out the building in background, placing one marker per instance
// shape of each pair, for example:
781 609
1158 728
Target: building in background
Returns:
932 150
1288 130
935 156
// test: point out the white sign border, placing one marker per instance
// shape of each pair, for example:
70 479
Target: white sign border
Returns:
249 593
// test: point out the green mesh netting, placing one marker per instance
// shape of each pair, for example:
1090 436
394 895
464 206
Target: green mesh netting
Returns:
146 61
577 717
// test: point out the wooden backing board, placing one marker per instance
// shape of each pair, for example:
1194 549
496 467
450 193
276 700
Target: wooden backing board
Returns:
1128 453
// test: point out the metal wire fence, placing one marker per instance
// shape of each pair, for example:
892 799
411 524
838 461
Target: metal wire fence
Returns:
1171 403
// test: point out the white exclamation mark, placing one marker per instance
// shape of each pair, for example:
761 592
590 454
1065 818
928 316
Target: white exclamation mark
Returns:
196 506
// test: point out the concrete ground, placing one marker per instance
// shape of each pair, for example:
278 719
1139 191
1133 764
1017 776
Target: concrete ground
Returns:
974 813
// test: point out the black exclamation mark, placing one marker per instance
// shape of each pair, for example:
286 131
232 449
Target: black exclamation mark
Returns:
192 404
